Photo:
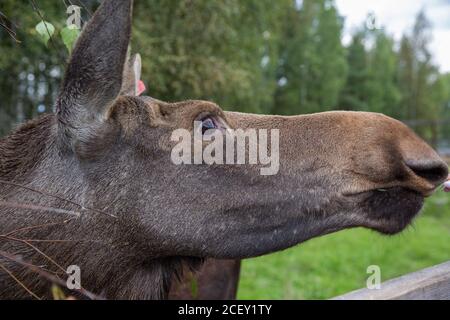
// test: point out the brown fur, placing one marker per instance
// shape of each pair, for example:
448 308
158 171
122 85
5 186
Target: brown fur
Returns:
141 217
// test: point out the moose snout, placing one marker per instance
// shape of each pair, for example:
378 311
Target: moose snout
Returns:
394 155
433 170
426 169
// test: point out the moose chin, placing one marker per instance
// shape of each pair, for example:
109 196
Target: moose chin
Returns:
93 185
391 211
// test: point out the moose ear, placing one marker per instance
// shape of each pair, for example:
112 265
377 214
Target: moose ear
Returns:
132 76
94 76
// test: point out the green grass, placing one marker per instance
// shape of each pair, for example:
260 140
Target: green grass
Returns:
335 264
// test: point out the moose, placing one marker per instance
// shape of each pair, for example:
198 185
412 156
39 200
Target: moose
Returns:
93 184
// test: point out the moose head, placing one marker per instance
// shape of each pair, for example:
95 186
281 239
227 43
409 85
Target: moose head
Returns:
142 215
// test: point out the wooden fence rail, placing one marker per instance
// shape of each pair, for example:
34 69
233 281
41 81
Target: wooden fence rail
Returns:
427 284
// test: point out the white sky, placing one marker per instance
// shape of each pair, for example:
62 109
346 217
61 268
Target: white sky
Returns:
399 15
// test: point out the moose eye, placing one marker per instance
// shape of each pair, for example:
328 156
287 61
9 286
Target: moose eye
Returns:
208 123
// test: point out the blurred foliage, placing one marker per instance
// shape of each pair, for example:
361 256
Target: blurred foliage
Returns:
262 56
312 65
210 50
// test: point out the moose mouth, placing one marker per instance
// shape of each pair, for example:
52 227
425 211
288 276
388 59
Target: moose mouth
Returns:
390 211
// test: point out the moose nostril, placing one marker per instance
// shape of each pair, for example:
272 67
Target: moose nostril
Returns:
434 171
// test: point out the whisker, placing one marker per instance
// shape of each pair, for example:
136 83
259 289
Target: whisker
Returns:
39 208
56 197
62 240
47 275
38 251
38 226
19 282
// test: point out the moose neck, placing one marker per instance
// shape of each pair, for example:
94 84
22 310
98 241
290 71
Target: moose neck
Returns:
103 241
24 148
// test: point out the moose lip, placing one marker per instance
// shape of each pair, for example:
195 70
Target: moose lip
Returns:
390 211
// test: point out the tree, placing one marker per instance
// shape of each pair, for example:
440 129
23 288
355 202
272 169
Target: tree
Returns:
312 64
419 78
383 94
372 78
354 93
406 78
216 50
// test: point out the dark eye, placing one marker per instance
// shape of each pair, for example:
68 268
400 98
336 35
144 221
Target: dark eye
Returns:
208 124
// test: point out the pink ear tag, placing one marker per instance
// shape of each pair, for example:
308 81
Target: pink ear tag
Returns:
141 87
